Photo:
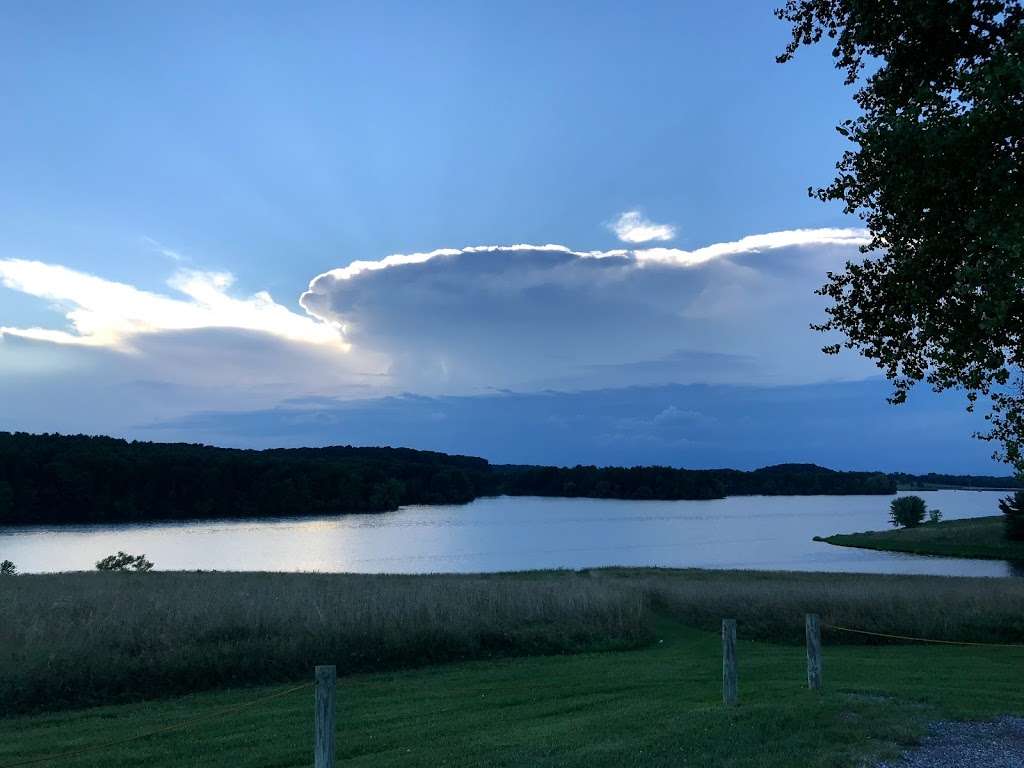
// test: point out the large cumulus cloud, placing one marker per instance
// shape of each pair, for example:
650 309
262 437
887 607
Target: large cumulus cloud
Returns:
529 317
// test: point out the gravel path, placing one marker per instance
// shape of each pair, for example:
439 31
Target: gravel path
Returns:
993 744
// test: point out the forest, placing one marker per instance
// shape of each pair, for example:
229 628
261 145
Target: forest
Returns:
670 483
54 478
81 479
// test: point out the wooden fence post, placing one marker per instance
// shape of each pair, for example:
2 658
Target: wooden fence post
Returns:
812 626
323 725
729 680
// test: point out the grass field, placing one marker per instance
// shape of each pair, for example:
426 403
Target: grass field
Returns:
656 706
94 638
74 640
981 537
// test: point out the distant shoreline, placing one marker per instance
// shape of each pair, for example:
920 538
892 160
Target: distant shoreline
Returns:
78 479
907 488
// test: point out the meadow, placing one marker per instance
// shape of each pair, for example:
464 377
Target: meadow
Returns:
656 706
88 638
981 537
80 639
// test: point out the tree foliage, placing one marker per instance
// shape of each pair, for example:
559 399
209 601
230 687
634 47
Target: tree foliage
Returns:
936 170
7 568
907 511
122 561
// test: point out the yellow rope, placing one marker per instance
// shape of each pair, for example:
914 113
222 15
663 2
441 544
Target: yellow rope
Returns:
166 729
921 639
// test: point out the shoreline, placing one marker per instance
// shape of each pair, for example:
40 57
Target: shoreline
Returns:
979 538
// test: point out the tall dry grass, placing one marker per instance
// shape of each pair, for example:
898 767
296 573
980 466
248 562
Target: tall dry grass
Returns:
770 605
82 638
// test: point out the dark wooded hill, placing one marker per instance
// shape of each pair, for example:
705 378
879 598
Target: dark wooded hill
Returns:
81 479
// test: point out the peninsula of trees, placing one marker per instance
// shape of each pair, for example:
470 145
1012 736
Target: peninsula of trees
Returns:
80 479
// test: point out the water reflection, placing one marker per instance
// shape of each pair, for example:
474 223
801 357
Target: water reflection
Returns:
498 534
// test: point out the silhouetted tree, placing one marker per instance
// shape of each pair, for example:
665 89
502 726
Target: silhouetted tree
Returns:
122 561
907 511
936 171
1012 508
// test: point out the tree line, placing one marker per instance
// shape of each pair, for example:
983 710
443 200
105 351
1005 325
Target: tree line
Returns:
54 478
81 479
670 483
934 480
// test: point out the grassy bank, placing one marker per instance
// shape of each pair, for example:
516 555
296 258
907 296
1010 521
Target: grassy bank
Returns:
981 538
655 707
72 640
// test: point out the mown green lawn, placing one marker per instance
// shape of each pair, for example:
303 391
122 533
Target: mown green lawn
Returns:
658 706
981 537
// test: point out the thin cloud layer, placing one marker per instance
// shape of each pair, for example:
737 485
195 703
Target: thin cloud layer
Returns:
105 313
633 227
844 425
128 356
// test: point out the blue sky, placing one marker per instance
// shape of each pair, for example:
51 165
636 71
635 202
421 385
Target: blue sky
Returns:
175 176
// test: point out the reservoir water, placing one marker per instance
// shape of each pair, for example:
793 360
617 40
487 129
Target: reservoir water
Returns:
519 533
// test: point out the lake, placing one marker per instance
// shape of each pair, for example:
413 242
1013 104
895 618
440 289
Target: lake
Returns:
518 533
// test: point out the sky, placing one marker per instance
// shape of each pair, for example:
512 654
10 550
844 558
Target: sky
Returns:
537 232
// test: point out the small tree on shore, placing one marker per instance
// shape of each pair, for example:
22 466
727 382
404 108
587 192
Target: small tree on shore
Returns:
907 511
1012 508
7 568
122 561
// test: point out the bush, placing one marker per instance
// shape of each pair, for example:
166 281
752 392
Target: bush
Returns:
122 561
907 511
7 568
934 516
1012 508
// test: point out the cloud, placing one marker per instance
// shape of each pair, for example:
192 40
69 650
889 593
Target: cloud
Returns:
633 227
673 256
163 250
462 320
845 425
453 321
111 314
128 356
54 387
